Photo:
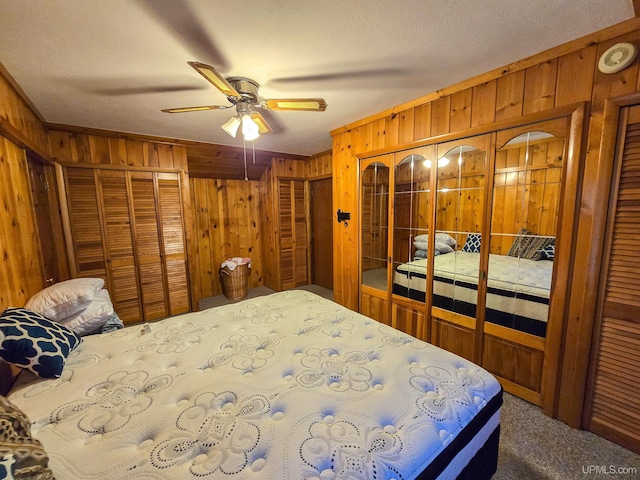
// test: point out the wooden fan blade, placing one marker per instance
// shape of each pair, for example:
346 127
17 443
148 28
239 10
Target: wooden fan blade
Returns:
215 78
303 104
194 109
263 126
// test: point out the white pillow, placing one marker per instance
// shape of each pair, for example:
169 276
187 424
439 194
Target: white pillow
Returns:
92 317
445 238
65 298
440 237
440 247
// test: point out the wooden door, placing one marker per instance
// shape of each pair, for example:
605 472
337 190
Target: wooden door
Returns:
40 198
294 244
322 233
173 242
148 245
87 258
613 398
119 250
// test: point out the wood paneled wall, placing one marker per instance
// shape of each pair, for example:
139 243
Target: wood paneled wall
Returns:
319 166
20 269
117 151
227 224
560 76
21 273
18 119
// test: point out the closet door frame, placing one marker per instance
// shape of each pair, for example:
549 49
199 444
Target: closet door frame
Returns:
611 151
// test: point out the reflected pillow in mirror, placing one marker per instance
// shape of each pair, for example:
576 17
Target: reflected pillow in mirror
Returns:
546 253
521 243
472 243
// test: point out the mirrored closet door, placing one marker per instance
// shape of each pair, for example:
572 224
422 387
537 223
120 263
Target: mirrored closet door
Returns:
374 237
473 228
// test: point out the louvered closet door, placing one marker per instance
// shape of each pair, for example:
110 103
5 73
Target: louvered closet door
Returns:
173 241
615 412
148 245
293 233
118 239
84 219
300 226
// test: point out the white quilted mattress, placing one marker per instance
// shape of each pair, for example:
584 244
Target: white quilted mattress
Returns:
531 280
288 386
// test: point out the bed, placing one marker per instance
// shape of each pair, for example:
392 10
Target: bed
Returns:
518 289
286 386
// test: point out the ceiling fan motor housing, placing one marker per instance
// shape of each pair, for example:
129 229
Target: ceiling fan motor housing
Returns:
246 87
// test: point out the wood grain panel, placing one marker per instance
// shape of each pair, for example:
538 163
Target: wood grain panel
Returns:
409 317
461 110
510 95
440 116
483 104
21 274
421 122
517 363
18 112
228 223
575 76
318 166
540 87
454 338
375 306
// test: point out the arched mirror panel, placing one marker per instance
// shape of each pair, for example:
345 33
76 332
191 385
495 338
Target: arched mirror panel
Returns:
374 217
460 194
527 189
411 221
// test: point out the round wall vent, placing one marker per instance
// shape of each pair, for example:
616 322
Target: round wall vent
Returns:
617 58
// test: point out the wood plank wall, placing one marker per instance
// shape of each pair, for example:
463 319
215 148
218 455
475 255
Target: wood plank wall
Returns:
20 270
227 224
560 76
17 117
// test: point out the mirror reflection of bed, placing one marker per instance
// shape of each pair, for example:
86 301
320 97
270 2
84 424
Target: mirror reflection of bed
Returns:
528 172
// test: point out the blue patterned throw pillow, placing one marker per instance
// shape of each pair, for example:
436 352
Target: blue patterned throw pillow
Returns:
29 340
472 244
546 253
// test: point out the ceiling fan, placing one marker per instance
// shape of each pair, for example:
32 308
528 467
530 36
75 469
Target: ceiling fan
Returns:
242 93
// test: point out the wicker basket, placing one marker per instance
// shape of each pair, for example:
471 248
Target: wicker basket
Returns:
235 283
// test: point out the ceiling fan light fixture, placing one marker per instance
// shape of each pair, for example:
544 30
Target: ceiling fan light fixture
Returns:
250 129
231 126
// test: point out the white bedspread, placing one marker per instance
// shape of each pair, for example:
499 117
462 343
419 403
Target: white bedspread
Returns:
288 386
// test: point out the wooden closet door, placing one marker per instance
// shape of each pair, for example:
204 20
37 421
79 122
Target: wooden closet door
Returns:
118 245
85 223
148 245
614 390
294 245
173 242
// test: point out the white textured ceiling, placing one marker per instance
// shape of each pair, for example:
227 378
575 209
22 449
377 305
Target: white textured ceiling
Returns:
113 64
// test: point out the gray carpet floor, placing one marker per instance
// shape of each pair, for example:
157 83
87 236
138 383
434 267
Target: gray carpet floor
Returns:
532 445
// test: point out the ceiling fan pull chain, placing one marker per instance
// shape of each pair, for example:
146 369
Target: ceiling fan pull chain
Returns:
253 147
244 145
